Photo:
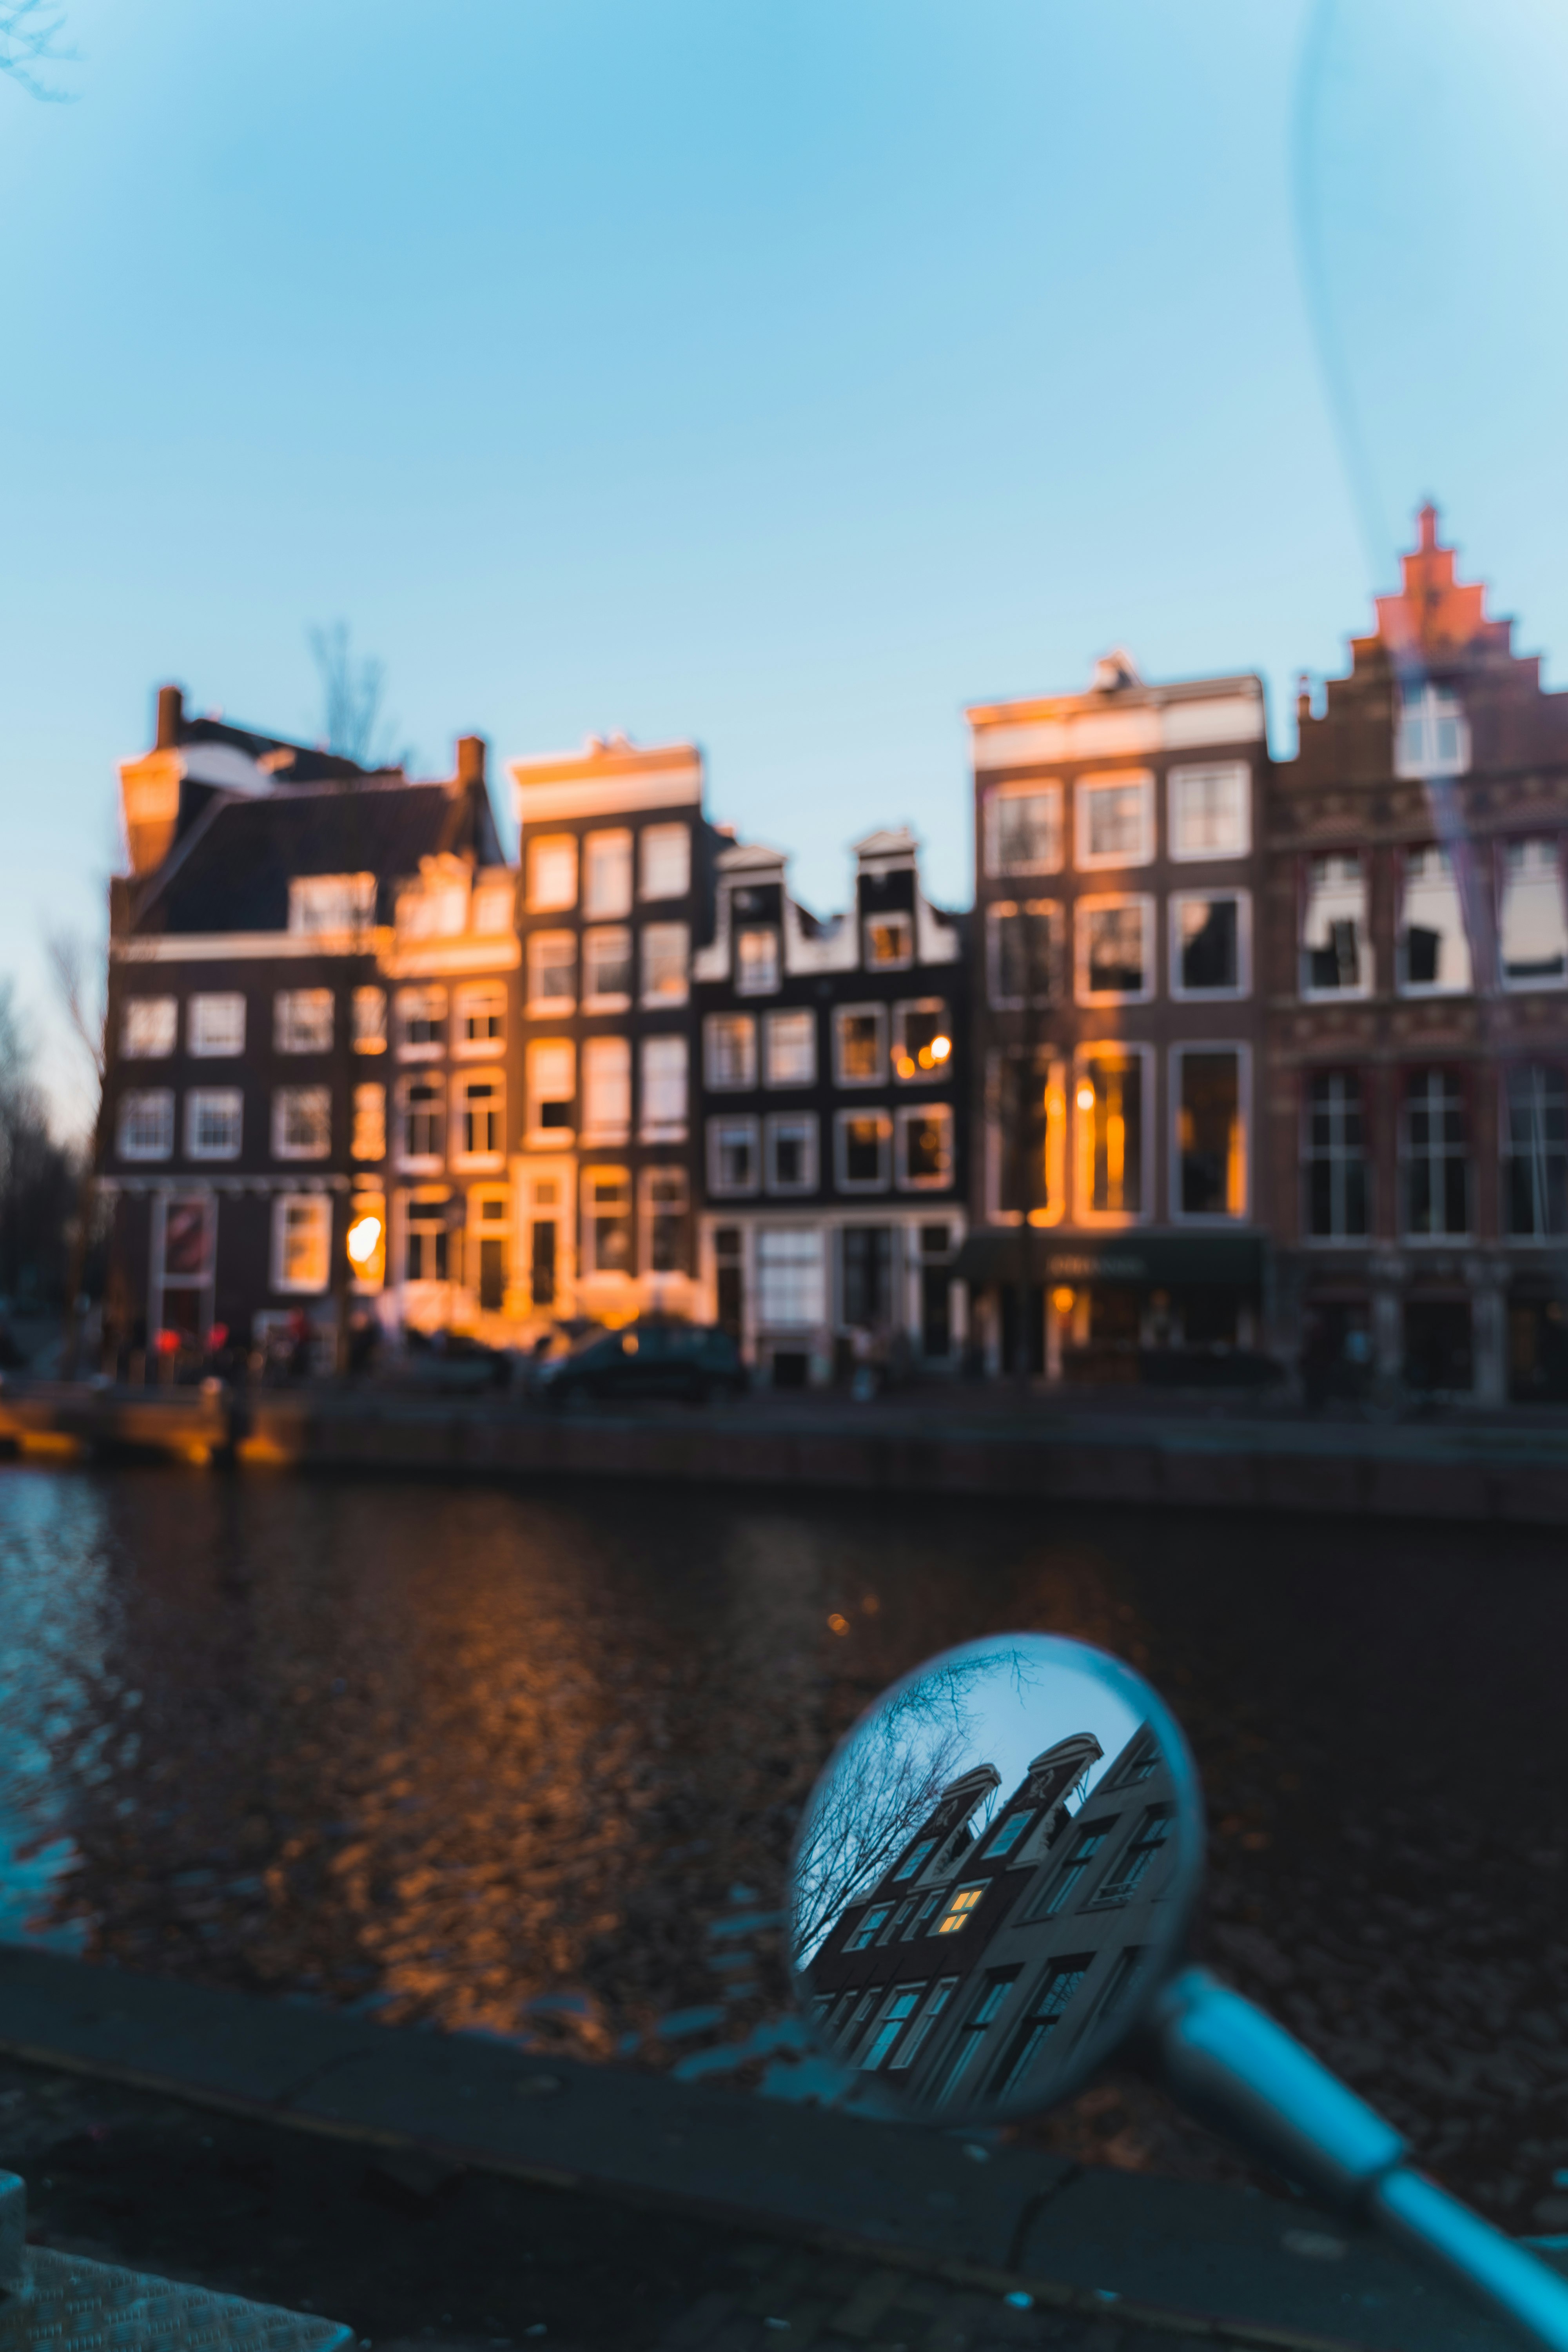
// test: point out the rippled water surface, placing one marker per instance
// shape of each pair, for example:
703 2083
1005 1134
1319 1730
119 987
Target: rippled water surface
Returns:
529 1761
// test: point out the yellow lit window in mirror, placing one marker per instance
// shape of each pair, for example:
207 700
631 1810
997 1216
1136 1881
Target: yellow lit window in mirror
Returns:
958 1910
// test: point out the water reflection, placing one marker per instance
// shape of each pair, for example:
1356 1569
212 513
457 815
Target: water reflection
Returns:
513 1761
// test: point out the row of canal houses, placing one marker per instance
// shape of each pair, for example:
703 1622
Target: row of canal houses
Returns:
1234 1058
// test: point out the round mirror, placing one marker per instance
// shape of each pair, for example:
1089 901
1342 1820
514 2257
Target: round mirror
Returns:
992 1875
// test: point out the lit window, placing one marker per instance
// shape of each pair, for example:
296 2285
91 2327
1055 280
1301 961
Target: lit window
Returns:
551 873
366 1240
731 1156
481 1017
790 1049
791 1152
552 971
1437 1157
664 1089
923 1040
370 1020
301 1241
606 874
214 1117
1333 941
606 1088
421 1021
1433 951
215 1026
1534 933
666 861
792 1288
369 1137
425 1242
1209 811
302 1020
1432 738
730 1046
890 942
757 961
665 953
1211 1134
865 1933
1535 1153
149 1027
1023 829
1336 1168
1206 945
146 1129
1107 1097
607 1220
606 969
322 903
1116 959
423 1104
1023 958
481 1106
865 1138
494 911
435 908
301 1122
859 1044
924 1157
551 1088
1115 821
666 1221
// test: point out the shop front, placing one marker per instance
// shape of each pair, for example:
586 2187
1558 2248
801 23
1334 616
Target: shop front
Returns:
1164 1309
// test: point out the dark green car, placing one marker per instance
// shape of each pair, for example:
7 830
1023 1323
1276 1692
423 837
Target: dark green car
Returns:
691 1360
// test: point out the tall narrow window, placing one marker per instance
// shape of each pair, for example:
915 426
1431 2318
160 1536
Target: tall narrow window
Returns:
606 969
1116 821
146 1124
480 1118
369 1133
425 1242
860 1045
757 959
606 1088
302 1020
1206 944
1109 1102
1434 950
790 1052
986 2006
608 874
552 971
667 1247
666 861
1025 1108
215 1026
607 1220
370 1020
791 1152
731 1157
421 1022
863 1141
1134 1864
551 873
890 942
923 1155
1437 1156
1335 1158
1115 949
910 2048
1534 932
663 1113
301 1241
791 1284
901 2008
423 1104
665 954
480 1017
1044 2014
1211 1134
923 1040
213 1122
551 1088
867 1267
1535 1153
1067 1883
301 1122
1209 813
730 1045
148 1027
1432 738
1023 829
1024 959
1333 938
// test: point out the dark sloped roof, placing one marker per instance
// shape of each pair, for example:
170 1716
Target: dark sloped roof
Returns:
309 763
233 870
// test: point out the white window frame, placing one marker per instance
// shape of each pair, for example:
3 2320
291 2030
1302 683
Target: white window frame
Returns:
319 1205
478 996
1175 779
433 997
136 1102
663 1130
462 1082
215 1044
1221 1220
538 850
1084 1212
610 1000
1403 982
810 1130
648 858
649 1209
1052 1077
1365 960
805 1014
367 1120
421 1164
543 1138
367 1016
903 1117
330 906
595 1057
287 1025
603 843
593 1172
1089 861
736 1122
1467 1155
1531 981
284 1098
997 914
168 1024
540 1006
1100 902
1337 1157
198 1100
889 964
745 984
1021 790
1416 753
939 1070
710 1032
841 1013
654 998
860 1186
1180 899
816 1276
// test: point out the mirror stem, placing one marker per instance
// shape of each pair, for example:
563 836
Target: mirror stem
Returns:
1232 2066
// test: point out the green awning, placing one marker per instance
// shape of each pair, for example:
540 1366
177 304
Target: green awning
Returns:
1165 1259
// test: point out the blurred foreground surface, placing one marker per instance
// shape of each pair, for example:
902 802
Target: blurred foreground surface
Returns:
529 1762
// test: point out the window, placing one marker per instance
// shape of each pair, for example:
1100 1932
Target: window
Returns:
437 907
1011 1833
730 1046
666 861
1121 1883
481 1017
666 950
322 903
423 1108
1334 959
370 1020
1044 2015
921 1923
972 2034
1535 1153
757 961
890 942
919 2032
1108 1099
1209 943
421 1022
1209 811
1433 951
552 971
665 1221
606 970
369 1135
214 1116
891 2024
606 1088
791 1289
1335 1158
608 874
1063 1888
1115 950
301 1122
1432 738
1115 821
860 1045
1534 933
865 1266
607 1220
958 1911
923 1040
731 1156
215 1025
664 1089
790 1164
1026 1141
493 1243
149 1027
870 1922
1437 1157
915 1860
301 1241
494 910
480 1117
789 1050
1023 952
1211 1131
864 1140
924 1156
551 873
552 1089
1023 829
302 1021
146 1130
425 1242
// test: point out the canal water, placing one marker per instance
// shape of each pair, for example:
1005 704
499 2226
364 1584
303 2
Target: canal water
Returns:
527 1762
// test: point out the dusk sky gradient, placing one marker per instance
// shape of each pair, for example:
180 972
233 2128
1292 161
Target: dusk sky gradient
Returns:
786 374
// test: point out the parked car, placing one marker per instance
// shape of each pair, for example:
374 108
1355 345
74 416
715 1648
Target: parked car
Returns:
649 1359
455 1363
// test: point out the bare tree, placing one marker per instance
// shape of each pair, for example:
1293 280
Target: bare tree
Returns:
29 39
37 1173
74 969
353 721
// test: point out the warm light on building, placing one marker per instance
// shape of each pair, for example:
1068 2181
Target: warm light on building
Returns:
363 1239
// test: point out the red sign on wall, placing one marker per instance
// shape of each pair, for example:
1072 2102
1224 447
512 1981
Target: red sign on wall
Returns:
188 1241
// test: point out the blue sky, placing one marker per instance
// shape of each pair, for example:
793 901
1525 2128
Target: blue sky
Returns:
782 372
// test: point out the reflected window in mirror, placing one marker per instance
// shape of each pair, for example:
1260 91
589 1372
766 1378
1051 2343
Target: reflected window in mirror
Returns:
972 2034
1062 1980
961 1904
909 2049
916 1857
1012 1832
1153 1832
921 1920
893 2020
865 1933
1139 1763
1065 1885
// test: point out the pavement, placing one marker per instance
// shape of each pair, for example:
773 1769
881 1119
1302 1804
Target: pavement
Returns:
453 2189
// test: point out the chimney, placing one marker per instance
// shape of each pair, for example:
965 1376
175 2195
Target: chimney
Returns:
1304 698
471 759
171 718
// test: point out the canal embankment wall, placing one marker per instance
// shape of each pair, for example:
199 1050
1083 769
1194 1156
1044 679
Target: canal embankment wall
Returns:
1498 1471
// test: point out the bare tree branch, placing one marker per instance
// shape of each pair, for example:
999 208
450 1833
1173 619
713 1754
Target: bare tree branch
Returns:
29 32
69 964
353 723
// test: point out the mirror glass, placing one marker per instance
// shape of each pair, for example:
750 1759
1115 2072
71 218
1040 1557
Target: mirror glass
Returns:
991 1876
